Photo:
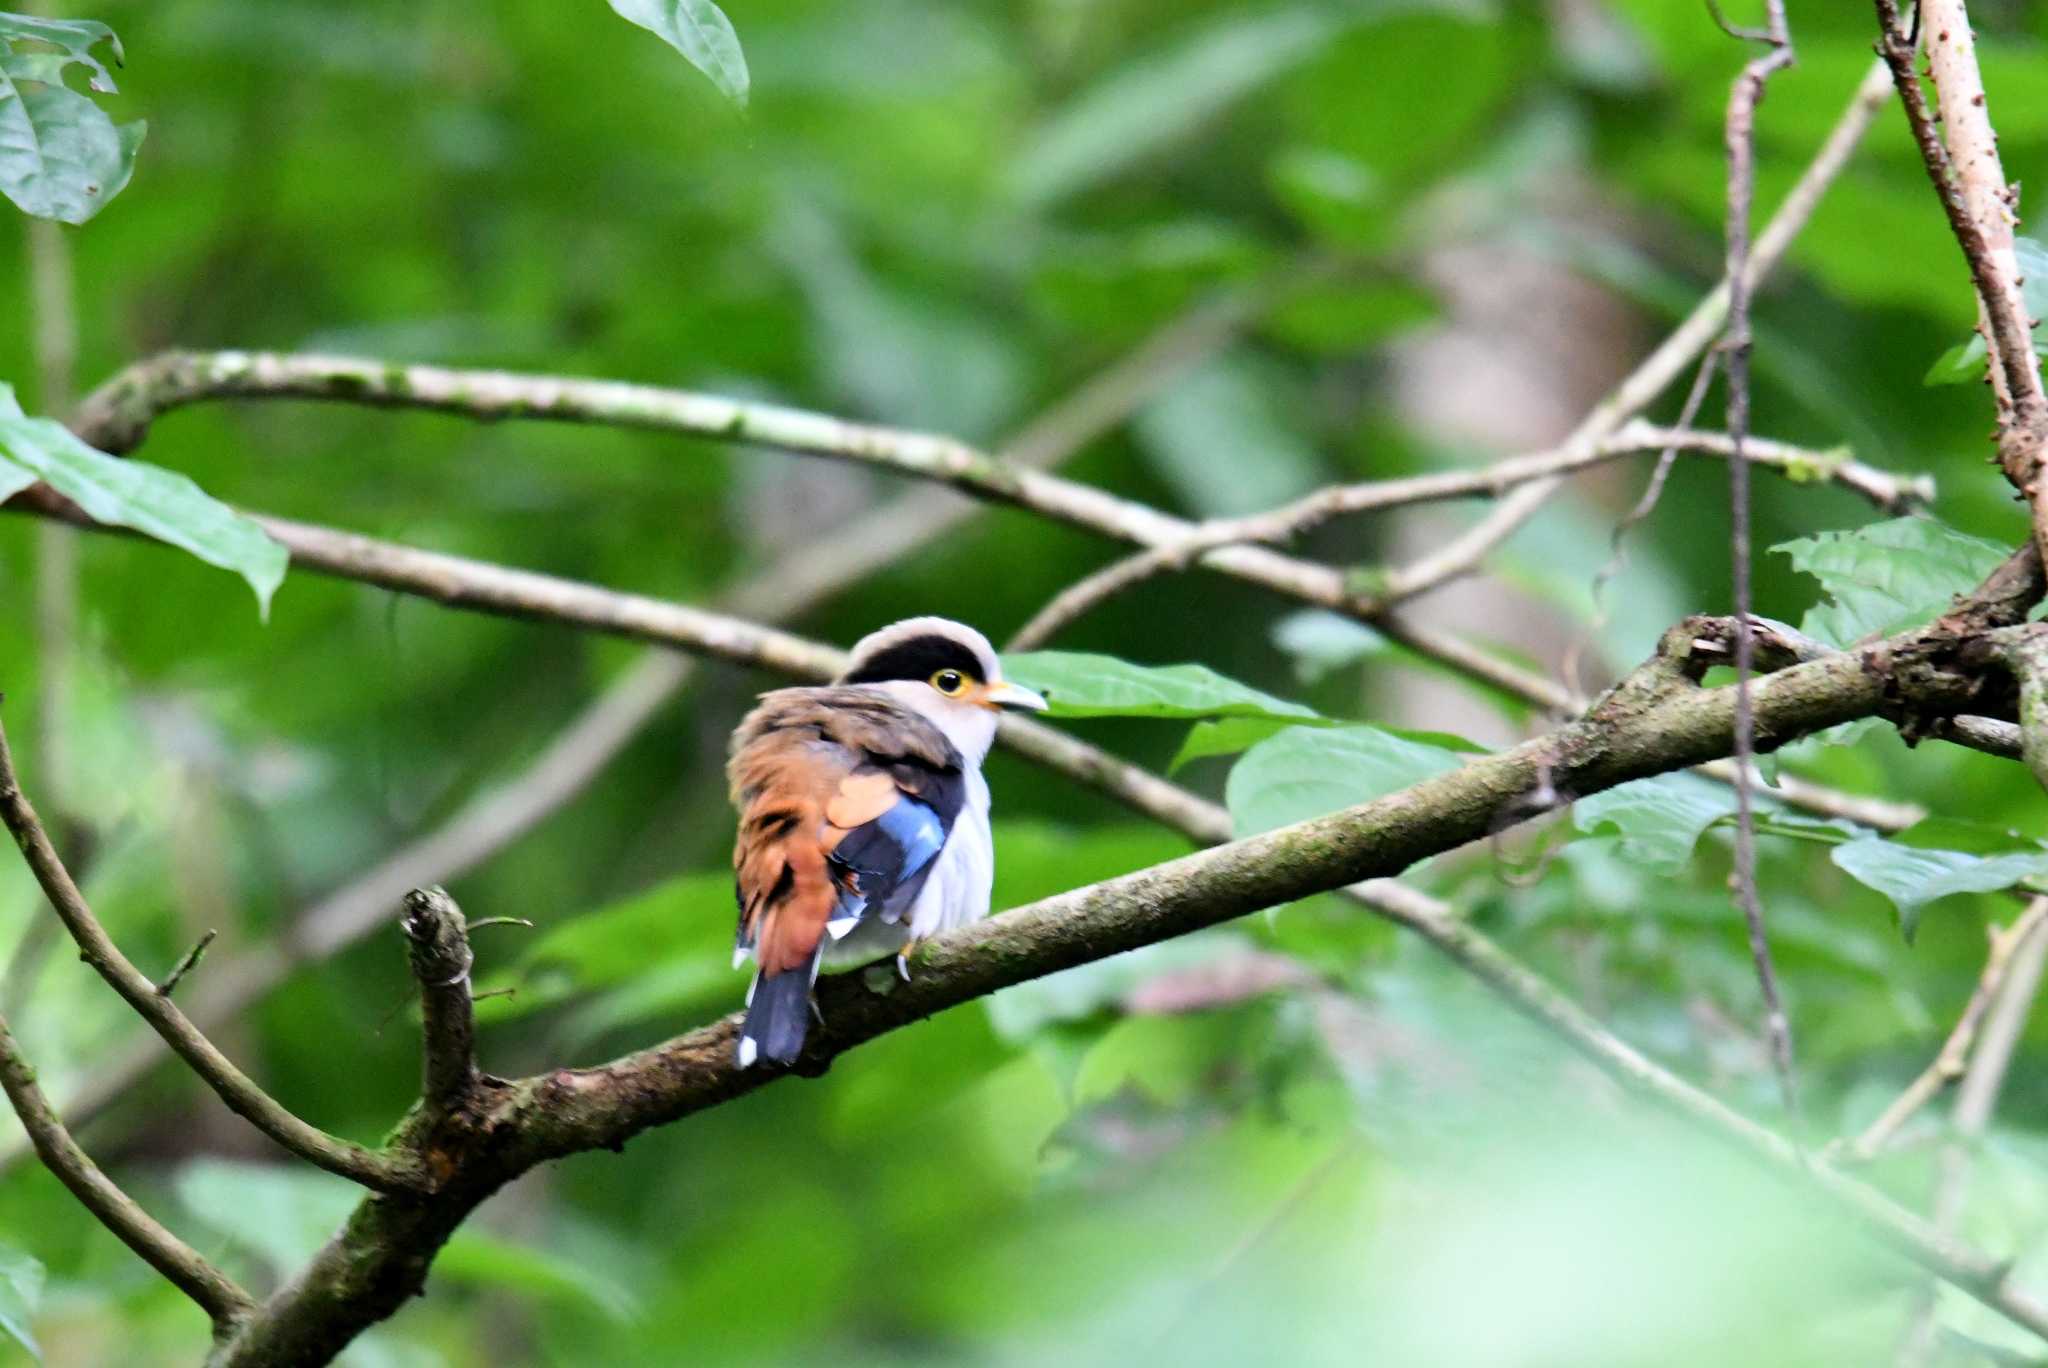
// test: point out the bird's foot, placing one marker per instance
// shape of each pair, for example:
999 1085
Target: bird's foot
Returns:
903 958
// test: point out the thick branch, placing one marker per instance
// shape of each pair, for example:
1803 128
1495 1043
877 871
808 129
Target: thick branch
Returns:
1658 719
233 1086
180 1264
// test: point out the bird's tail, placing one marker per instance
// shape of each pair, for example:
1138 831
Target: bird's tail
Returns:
778 1016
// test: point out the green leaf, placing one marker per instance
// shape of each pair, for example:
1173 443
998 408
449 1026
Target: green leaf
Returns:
21 1289
156 502
1963 363
1660 819
1159 100
1304 773
1322 642
1077 684
1912 877
61 157
700 31
1224 736
1888 576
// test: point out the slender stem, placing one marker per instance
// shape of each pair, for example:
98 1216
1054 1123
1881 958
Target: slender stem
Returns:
232 1086
441 960
180 1264
1743 99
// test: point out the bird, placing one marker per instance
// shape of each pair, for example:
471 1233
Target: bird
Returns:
863 817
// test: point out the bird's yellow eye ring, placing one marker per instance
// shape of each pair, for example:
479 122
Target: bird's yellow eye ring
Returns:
951 683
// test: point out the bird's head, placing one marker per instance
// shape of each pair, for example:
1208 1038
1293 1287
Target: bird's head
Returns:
945 670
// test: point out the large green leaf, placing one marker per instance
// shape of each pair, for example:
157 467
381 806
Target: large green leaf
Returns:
1659 819
21 1288
1914 876
1156 101
1077 684
700 31
61 157
1963 363
156 502
1304 773
1888 576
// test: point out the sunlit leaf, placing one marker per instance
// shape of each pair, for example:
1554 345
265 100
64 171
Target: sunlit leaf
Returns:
1322 642
1888 576
1082 685
156 502
1304 773
700 31
61 156
21 1290
1912 876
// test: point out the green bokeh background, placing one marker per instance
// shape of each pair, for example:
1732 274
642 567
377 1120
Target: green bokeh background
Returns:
949 215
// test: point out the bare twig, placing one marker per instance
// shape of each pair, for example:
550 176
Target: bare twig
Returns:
1657 370
232 1085
441 960
2012 1001
1949 1064
186 964
225 1304
1743 99
1980 205
1617 540
1291 520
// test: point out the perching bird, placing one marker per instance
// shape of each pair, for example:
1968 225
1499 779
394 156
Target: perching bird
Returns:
863 816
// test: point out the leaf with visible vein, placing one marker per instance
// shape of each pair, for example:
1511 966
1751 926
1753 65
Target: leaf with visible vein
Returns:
155 502
700 31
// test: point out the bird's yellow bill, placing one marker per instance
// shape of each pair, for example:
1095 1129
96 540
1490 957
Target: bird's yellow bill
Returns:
1007 695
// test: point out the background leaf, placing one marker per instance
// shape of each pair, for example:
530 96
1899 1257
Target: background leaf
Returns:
21 1290
1304 773
158 503
1888 576
61 156
1914 876
1082 685
700 31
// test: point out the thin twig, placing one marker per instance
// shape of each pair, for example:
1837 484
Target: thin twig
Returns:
438 949
1657 370
1950 1063
233 1086
501 921
186 964
225 1304
1976 1099
1743 99
1291 520
1617 540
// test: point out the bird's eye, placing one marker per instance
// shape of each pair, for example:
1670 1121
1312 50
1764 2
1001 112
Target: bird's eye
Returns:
951 683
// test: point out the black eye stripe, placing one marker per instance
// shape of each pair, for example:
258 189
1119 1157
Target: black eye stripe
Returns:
918 658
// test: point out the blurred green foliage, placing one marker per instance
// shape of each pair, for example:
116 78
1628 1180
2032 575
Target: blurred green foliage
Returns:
1300 1139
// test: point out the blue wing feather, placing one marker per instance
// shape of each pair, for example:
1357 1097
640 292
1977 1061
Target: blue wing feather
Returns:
891 856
